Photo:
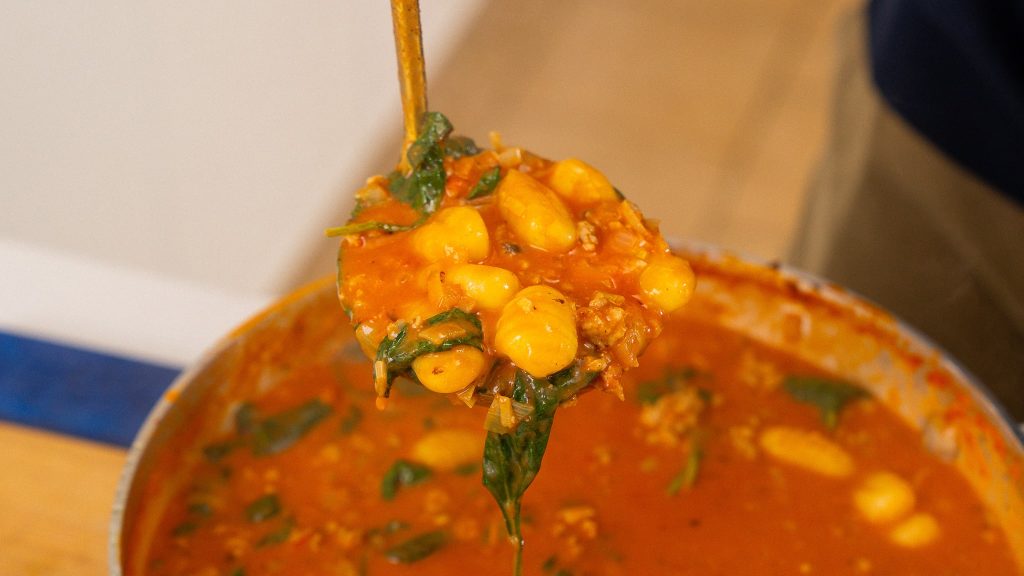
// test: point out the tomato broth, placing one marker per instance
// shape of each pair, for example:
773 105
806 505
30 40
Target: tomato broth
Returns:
301 474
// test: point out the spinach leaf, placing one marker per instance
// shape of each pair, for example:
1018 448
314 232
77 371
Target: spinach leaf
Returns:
398 352
459 146
269 435
366 227
488 182
830 396
218 450
423 187
185 528
280 431
200 510
688 475
263 508
403 473
350 421
416 548
455 314
674 380
391 527
278 535
467 469
512 460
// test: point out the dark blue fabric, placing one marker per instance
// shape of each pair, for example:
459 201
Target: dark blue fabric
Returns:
954 70
75 391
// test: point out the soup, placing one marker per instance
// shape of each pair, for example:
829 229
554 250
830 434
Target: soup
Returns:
714 463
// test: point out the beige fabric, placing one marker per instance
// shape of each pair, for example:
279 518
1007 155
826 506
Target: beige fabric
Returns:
891 217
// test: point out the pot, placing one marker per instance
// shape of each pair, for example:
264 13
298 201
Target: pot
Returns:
796 313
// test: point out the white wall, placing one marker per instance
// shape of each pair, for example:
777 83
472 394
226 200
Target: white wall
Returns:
193 145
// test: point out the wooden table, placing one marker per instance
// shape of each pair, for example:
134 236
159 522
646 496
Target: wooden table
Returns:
56 495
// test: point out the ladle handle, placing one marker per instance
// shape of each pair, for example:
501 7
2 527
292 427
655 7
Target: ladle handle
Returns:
405 16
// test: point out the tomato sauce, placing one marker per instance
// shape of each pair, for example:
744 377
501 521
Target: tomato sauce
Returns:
607 501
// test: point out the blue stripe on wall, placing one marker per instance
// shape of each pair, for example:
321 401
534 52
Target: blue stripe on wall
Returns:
75 391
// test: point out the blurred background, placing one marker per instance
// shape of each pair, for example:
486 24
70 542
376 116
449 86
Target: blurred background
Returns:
168 168
178 163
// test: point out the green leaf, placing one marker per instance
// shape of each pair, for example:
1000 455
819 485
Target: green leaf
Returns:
467 469
674 380
488 182
185 528
245 418
401 474
423 187
269 435
398 352
280 431
216 451
351 420
455 314
459 146
511 461
830 396
391 527
359 227
687 477
278 535
200 509
416 548
263 508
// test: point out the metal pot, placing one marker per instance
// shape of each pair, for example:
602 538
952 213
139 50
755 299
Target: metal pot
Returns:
820 323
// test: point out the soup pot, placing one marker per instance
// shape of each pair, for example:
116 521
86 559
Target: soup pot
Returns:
796 313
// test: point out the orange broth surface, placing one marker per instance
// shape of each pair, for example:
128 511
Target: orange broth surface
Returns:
604 502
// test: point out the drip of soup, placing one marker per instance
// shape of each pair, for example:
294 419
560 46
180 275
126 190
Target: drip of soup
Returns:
724 458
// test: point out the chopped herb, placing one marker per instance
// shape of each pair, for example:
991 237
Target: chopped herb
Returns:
200 509
263 508
550 566
687 477
416 548
185 528
387 529
459 146
830 396
350 421
488 182
423 187
278 535
467 469
218 450
358 227
618 193
674 380
403 473
237 572
245 418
